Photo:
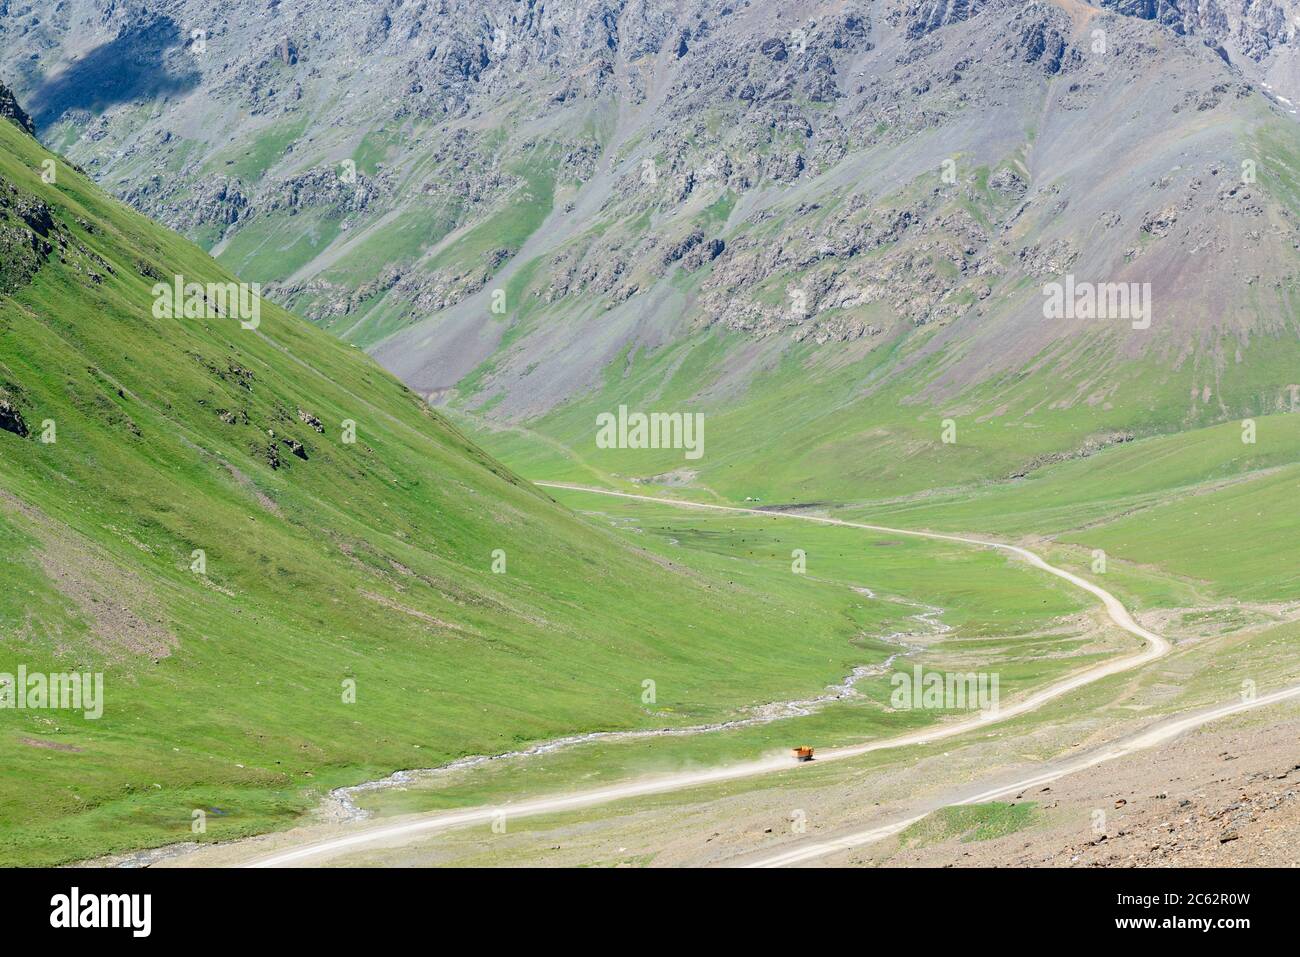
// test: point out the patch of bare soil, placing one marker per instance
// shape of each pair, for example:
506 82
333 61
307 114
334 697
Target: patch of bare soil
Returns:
675 479
245 482
396 605
121 610
1222 798
49 745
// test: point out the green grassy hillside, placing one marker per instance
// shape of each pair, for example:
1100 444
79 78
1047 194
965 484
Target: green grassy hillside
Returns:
149 441
1202 506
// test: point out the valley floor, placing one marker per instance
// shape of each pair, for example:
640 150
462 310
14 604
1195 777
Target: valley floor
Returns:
716 820
1225 800
1224 794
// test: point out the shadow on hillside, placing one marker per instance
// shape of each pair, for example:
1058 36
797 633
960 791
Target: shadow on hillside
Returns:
133 66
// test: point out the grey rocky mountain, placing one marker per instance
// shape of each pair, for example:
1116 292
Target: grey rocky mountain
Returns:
509 200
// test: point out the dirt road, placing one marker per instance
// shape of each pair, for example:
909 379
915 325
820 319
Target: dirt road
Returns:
391 834
1152 737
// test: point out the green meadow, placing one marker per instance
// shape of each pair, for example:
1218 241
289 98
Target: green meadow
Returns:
997 616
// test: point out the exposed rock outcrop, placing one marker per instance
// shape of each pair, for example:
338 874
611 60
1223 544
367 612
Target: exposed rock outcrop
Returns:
11 111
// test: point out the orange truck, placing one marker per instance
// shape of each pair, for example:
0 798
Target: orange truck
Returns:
802 753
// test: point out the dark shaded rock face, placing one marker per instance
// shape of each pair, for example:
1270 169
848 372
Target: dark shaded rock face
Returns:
10 110
132 67
1255 27
1042 44
1166 12
926 16
11 420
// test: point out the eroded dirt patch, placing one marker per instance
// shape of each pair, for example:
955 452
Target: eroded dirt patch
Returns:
49 745
246 483
123 615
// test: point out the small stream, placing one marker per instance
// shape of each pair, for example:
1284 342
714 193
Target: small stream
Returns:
341 805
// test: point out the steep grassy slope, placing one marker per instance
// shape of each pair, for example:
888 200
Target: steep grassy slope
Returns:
149 440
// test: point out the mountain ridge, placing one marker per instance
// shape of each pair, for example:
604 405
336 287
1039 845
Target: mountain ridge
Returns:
512 207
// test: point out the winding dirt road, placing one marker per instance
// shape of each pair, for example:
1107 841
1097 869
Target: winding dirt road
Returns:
1156 646
396 834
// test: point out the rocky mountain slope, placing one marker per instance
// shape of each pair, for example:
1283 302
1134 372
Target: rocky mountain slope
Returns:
535 213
